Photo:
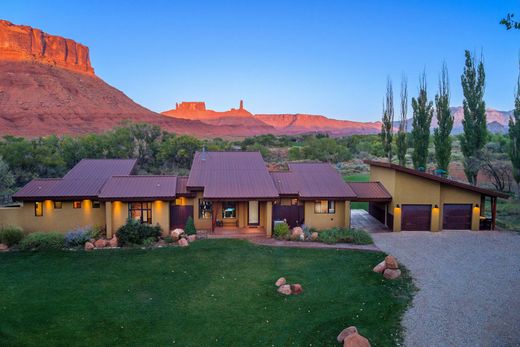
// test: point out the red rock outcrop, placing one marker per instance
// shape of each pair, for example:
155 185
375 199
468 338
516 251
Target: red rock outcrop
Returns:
23 43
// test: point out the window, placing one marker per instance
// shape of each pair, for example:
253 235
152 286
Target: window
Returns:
140 211
294 202
96 204
205 209
38 208
58 205
76 204
324 206
229 210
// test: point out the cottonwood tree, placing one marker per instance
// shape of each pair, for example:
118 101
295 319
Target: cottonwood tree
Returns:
441 134
509 22
422 119
514 135
474 123
401 134
388 121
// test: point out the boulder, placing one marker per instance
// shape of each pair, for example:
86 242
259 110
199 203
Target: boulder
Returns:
296 289
284 289
314 236
380 268
89 246
100 243
192 238
3 247
355 340
183 242
176 234
391 262
346 332
391 274
297 231
113 242
281 281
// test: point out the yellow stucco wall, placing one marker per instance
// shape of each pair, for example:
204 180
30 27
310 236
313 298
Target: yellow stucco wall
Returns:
61 220
200 223
321 221
119 213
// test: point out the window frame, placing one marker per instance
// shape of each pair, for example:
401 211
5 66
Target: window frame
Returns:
330 209
145 206
38 208
229 203
76 204
209 211
96 204
58 205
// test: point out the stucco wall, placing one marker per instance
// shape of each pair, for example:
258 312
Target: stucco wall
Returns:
119 213
321 221
200 224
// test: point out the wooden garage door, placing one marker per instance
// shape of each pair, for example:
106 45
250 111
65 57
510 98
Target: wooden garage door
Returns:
416 217
456 216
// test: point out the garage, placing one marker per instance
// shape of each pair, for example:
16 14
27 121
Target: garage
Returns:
416 217
456 216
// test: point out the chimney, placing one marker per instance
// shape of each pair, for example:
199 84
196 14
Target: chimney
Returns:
203 154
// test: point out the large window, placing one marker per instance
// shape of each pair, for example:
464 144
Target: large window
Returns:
96 204
324 206
140 211
76 204
38 208
205 209
58 205
229 210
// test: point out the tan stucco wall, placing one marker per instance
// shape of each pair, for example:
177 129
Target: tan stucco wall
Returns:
119 213
321 221
200 224
61 220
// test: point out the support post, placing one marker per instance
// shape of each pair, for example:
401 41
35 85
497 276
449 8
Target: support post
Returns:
108 218
493 213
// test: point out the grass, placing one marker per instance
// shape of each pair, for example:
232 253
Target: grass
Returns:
336 235
358 178
508 214
213 293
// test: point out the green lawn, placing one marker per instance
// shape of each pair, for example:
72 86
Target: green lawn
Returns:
213 293
508 214
358 178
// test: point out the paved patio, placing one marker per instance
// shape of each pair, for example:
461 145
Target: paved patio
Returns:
360 219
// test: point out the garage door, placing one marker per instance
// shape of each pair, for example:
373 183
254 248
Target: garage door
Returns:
456 216
416 217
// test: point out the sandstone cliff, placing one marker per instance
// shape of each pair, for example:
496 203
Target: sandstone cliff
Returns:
23 43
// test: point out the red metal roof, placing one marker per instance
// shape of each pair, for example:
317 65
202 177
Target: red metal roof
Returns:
285 182
231 175
370 191
40 187
139 187
431 177
182 190
101 168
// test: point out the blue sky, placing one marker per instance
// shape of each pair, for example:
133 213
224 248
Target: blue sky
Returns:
321 57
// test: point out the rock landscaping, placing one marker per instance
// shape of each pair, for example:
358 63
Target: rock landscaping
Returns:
330 236
351 338
389 268
288 289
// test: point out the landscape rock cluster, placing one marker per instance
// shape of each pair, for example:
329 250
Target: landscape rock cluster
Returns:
351 338
3 247
288 289
389 268
182 239
101 243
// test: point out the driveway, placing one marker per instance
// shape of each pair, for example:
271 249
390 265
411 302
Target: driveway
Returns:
469 286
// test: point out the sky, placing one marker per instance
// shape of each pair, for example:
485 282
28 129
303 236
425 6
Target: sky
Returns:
318 57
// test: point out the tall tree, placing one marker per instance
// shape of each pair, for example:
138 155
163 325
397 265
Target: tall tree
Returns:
514 135
422 119
403 123
509 22
441 134
388 121
474 123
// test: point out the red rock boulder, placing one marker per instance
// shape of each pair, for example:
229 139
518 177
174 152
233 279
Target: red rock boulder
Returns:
89 246
183 242
281 281
391 262
392 274
100 243
380 268
356 340
285 289
3 247
346 332
113 242
296 289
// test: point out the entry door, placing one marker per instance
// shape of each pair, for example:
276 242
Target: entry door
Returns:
416 217
254 213
457 216
179 215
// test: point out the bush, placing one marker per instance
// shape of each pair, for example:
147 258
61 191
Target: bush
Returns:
11 235
281 231
134 232
148 242
78 237
189 228
168 239
340 235
43 241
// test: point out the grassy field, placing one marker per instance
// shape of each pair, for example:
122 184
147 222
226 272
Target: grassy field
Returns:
508 214
214 293
358 178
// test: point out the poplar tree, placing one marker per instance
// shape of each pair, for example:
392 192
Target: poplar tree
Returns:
514 134
441 135
388 121
401 134
474 123
422 119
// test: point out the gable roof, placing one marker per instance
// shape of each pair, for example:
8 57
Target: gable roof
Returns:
140 187
370 191
439 179
101 168
231 175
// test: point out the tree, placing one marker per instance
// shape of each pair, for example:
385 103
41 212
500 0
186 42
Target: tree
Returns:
441 135
422 119
474 123
509 22
7 180
514 135
388 121
403 124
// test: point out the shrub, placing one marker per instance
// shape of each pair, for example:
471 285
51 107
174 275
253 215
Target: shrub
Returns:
281 231
134 232
306 231
189 228
11 235
149 241
78 236
340 235
168 239
43 241
97 232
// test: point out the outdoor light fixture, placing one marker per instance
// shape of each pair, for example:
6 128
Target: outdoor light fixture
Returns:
476 205
398 206
436 206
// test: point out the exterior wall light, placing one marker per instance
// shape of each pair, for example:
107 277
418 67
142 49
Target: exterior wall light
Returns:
476 205
436 206
398 206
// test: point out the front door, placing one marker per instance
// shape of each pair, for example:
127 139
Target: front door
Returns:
254 213
179 215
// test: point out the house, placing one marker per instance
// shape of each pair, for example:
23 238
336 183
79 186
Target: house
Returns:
235 191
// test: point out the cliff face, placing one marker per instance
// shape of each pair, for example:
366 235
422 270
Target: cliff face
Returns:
23 43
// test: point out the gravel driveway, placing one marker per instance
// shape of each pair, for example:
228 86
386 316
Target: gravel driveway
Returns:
469 286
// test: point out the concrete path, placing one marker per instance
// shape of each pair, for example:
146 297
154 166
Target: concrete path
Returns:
469 286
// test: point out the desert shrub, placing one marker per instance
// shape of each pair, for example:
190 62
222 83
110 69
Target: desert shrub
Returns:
149 241
281 231
306 231
11 235
189 228
43 241
361 237
134 232
341 235
78 236
98 232
168 239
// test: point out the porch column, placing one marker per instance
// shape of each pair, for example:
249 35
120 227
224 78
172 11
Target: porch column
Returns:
269 218
347 215
493 213
108 218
